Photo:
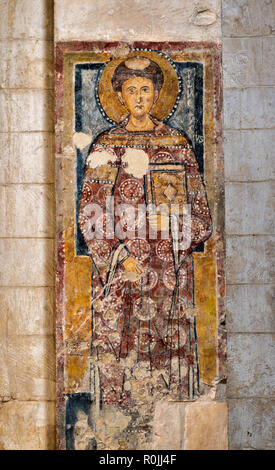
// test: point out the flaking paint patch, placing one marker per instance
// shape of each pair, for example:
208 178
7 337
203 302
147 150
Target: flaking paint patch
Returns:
81 140
100 158
136 161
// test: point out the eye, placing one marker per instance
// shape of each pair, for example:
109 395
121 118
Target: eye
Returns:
131 90
146 89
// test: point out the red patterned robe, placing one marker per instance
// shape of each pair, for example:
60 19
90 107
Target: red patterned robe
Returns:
144 340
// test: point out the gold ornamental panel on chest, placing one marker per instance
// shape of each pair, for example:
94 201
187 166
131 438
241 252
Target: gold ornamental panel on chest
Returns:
167 185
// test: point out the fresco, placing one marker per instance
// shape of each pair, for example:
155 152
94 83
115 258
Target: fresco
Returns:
140 281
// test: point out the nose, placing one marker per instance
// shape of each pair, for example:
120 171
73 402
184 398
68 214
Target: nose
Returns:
139 96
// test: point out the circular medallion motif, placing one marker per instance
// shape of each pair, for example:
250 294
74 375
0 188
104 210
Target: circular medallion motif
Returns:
169 278
131 190
176 337
101 251
149 280
139 248
164 250
145 308
162 157
103 192
145 340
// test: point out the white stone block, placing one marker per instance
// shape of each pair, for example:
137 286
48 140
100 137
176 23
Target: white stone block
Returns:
257 108
4 115
249 155
250 308
28 210
250 365
268 65
137 20
4 371
4 156
251 424
205 426
243 62
4 53
27 157
201 425
31 110
27 310
31 367
27 425
27 262
31 64
249 208
249 259
26 19
247 17
232 109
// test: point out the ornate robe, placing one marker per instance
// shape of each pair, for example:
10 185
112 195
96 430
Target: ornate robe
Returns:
144 340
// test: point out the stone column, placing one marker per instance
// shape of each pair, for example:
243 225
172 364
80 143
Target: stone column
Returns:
27 370
249 100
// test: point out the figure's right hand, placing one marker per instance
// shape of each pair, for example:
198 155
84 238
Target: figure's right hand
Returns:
131 264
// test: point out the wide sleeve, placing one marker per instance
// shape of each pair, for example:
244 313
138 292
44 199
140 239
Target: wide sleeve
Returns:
96 210
197 224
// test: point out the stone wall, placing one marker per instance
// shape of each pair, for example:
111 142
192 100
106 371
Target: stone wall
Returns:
27 370
249 99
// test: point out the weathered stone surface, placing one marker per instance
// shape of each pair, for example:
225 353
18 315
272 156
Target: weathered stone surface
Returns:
251 424
3 64
249 208
30 64
268 61
168 425
250 308
27 310
28 211
30 110
249 259
27 158
4 115
205 426
232 108
249 108
28 262
120 20
248 17
31 367
248 62
4 371
250 365
4 154
27 425
22 19
249 155
257 108
200 425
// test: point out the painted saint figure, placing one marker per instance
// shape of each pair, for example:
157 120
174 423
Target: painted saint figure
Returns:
142 213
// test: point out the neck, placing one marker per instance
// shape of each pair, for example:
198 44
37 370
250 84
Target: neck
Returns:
142 123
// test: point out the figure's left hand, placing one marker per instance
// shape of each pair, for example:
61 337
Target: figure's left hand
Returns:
132 264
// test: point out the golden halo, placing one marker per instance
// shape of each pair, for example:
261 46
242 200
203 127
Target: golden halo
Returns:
108 98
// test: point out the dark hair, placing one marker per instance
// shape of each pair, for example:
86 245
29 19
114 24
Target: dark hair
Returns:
151 71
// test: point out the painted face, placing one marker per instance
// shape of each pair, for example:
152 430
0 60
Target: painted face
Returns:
138 95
